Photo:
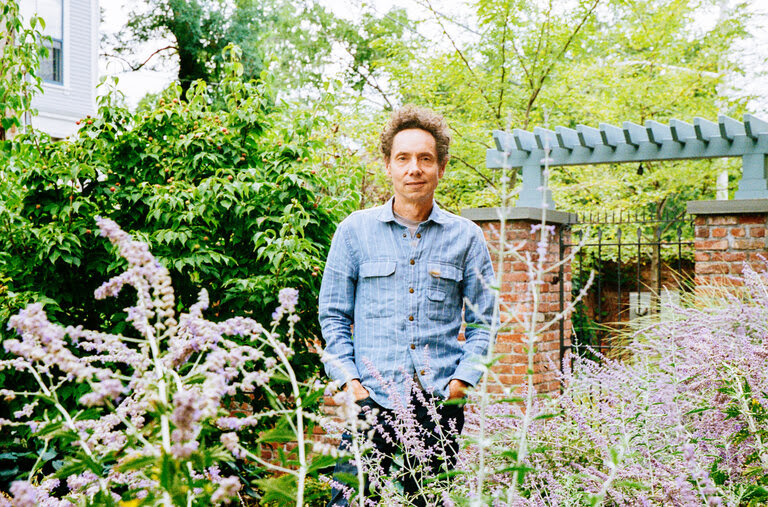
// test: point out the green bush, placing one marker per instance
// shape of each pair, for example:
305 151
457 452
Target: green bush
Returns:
227 188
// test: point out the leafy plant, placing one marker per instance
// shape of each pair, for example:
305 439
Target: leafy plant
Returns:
230 190
152 424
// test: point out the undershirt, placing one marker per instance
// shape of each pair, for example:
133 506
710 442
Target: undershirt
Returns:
412 226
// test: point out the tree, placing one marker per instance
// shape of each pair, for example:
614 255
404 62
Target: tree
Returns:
199 31
520 64
278 37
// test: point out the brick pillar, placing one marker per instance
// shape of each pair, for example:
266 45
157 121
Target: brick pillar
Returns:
728 234
511 368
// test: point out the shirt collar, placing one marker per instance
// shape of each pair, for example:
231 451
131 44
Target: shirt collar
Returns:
437 215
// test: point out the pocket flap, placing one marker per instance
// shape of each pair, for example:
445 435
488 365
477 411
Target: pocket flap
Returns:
448 271
436 295
377 268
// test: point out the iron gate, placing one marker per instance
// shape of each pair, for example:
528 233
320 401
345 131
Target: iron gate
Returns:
639 261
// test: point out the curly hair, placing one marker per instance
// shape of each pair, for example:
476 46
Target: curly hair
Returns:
415 117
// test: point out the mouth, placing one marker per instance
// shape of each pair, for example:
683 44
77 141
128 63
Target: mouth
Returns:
416 183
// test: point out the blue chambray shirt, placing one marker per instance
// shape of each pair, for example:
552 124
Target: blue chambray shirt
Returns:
404 297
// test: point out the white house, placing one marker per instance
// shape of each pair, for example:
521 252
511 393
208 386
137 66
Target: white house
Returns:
70 72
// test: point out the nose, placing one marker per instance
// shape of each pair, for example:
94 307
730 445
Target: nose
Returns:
413 166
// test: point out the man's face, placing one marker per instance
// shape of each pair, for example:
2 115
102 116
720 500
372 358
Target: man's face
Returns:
413 166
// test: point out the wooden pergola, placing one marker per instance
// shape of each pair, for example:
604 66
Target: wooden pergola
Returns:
631 142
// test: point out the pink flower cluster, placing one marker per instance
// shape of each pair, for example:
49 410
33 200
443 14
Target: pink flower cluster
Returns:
683 406
178 373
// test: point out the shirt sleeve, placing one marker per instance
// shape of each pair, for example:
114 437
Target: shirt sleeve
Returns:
336 309
478 278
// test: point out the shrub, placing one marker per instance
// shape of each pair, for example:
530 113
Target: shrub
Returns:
227 187
151 423
681 421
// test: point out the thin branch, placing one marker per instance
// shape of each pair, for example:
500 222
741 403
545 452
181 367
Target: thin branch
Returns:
461 55
475 169
503 62
134 68
370 81
548 70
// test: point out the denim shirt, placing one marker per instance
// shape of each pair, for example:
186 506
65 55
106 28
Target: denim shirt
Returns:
404 298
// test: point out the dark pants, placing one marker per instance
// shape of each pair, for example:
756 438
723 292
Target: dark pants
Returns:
441 446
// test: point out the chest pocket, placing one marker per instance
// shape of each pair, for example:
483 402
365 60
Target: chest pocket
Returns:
443 302
376 288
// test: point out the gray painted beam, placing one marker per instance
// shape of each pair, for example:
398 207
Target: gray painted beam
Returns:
634 143
567 138
611 135
635 134
753 126
589 137
658 133
681 131
545 139
730 128
705 129
669 150
524 140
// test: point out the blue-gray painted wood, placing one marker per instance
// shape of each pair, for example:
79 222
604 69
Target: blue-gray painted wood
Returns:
567 138
705 129
681 131
611 135
754 126
524 140
635 134
658 132
589 137
634 143
545 139
730 128
753 184
533 193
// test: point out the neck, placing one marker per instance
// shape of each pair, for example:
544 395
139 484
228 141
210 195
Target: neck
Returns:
416 211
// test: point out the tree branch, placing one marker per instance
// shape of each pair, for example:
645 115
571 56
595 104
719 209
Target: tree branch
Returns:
503 62
475 169
135 67
461 55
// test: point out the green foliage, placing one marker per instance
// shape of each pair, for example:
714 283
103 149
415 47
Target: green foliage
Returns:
521 64
21 49
228 189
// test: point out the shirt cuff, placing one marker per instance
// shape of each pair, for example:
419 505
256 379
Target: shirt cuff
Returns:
469 372
342 372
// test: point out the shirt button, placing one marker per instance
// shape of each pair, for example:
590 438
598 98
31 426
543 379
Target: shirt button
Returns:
405 235
413 261
413 346
410 317
410 290
423 372
418 235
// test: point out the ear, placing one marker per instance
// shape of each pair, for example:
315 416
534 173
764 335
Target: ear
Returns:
387 170
441 170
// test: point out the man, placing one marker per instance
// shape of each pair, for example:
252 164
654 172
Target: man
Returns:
400 274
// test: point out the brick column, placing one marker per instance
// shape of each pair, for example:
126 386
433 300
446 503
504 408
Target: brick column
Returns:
728 234
511 368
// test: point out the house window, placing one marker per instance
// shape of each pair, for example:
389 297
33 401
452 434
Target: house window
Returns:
52 12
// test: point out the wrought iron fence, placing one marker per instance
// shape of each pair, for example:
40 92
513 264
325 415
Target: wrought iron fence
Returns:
639 262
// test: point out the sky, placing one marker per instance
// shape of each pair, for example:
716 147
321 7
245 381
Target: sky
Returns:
151 80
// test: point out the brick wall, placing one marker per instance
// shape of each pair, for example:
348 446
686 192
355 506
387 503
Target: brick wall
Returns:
724 242
517 305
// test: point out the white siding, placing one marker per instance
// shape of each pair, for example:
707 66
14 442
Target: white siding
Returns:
60 105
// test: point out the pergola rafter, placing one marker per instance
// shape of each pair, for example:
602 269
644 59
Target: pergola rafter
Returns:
653 141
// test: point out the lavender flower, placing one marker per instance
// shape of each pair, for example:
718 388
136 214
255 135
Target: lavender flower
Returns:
227 489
